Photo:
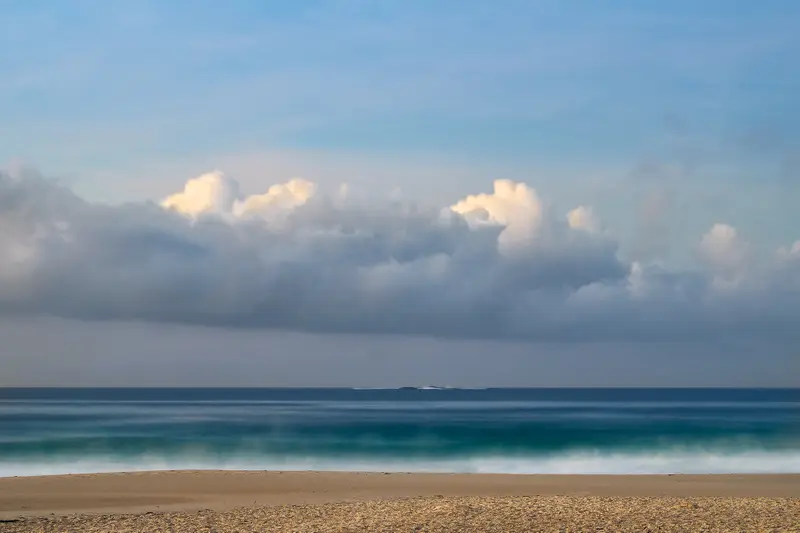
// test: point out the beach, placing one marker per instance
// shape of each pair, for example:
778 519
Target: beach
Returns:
228 501
319 460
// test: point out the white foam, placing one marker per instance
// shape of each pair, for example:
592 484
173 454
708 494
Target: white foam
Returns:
750 462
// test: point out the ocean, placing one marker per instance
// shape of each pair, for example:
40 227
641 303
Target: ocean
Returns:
569 431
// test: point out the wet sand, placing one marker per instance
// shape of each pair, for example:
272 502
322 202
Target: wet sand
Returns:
320 501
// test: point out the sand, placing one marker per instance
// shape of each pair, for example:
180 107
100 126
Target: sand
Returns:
224 502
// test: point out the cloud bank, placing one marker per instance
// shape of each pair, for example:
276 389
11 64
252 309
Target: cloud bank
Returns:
496 265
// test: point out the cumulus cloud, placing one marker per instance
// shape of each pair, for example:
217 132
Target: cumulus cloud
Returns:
210 193
278 199
513 206
583 218
215 193
725 252
493 265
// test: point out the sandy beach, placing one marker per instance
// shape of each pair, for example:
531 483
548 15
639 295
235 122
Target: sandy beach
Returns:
222 501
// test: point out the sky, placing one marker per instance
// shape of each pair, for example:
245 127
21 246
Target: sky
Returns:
352 193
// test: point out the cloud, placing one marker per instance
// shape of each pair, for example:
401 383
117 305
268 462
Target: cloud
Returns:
791 253
215 193
513 206
725 252
499 265
210 193
583 218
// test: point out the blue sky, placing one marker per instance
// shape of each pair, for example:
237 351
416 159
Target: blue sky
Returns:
613 104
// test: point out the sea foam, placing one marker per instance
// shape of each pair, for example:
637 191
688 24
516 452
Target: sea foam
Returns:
750 462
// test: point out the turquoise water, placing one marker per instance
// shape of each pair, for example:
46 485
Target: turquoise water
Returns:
49 431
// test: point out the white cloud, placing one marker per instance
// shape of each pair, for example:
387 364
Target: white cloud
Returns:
583 218
510 203
722 247
216 193
513 206
278 198
725 252
496 265
213 192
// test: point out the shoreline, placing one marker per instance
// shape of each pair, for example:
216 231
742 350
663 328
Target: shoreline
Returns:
219 490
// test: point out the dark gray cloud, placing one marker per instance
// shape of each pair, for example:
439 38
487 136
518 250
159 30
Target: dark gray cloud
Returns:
494 266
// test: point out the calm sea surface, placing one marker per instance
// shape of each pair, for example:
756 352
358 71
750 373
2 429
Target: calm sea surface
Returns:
44 431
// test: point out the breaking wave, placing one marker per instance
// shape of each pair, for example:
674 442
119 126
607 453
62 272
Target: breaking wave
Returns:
653 462
480 431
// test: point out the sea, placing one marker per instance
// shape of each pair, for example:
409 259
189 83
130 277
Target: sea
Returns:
426 429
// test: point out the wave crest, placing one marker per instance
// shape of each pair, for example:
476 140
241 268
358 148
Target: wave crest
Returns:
666 462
